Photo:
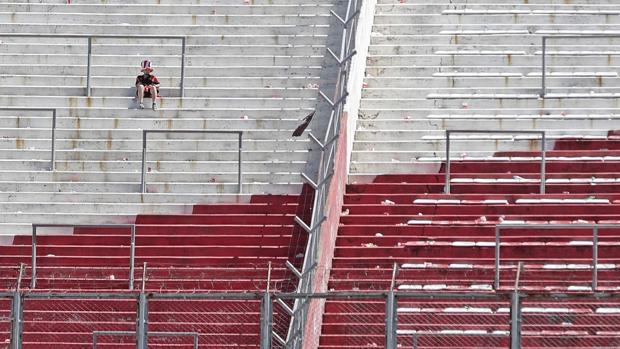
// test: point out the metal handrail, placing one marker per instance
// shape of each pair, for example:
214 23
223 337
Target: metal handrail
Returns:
417 335
239 159
542 146
595 230
327 144
194 335
132 248
113 36
53 145
543 90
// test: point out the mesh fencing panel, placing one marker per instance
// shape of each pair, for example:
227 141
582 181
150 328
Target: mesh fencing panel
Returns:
218 322
453 323
571 322
356 322
72 321
5 321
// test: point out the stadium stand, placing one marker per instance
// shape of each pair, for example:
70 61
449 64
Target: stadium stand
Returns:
471 65
251 67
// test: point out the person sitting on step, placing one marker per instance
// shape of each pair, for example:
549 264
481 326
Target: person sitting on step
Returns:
147 85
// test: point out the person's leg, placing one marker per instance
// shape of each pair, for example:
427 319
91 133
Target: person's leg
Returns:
153 91
140 89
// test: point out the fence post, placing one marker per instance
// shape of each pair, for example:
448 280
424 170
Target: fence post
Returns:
447 185
132 256
543 164
53 157
390 321
89 64
240 160
266 322
543 92
33 279
142 328
183 49
143 171
16 323
515 321
594 258
497 245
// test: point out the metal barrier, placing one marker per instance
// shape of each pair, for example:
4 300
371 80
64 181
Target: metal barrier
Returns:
90 44
327 145
239 160
542 146
543 91
194 335
53 140
132 248
595 243
359 319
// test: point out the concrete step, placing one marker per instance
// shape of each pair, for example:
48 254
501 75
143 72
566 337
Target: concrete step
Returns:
56 89
161 19
441 81
185 30
274 165
165 103
290 8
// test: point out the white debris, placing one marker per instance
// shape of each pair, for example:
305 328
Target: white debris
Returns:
467 310
388 202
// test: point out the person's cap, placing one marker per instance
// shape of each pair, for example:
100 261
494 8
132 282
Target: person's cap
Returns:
146 65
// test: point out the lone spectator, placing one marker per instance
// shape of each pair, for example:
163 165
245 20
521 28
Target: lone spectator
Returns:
147 85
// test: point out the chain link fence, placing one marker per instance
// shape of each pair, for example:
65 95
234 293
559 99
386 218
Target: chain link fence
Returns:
571 322
422 320
5 321
458 321
71 319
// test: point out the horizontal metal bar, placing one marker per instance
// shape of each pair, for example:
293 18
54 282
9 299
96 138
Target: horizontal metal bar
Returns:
172 334
556 226
222 296
95 295
443 334
82 225
499 131
26 109
193 131
104 36
348 295
114 333
593 36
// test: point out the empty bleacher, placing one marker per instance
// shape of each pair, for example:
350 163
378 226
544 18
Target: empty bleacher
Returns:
253 67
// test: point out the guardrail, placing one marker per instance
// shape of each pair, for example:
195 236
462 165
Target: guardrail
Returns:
239 160
327 144
542 146
53 127
595 243
90 49
543 91
97 334
132 248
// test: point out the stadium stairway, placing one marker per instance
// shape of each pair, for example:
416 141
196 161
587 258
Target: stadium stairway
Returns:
251 66
446 243
218 248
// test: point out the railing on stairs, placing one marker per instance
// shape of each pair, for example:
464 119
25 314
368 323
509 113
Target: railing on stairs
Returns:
327 144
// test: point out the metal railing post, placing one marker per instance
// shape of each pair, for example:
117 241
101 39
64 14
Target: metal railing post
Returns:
497 249
89 66
543 91
515 321
132 256
543 164
390 320
447 185
240 161
53 145
142 328
143 165
33 279
595 258
16 323
183 50
266 321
